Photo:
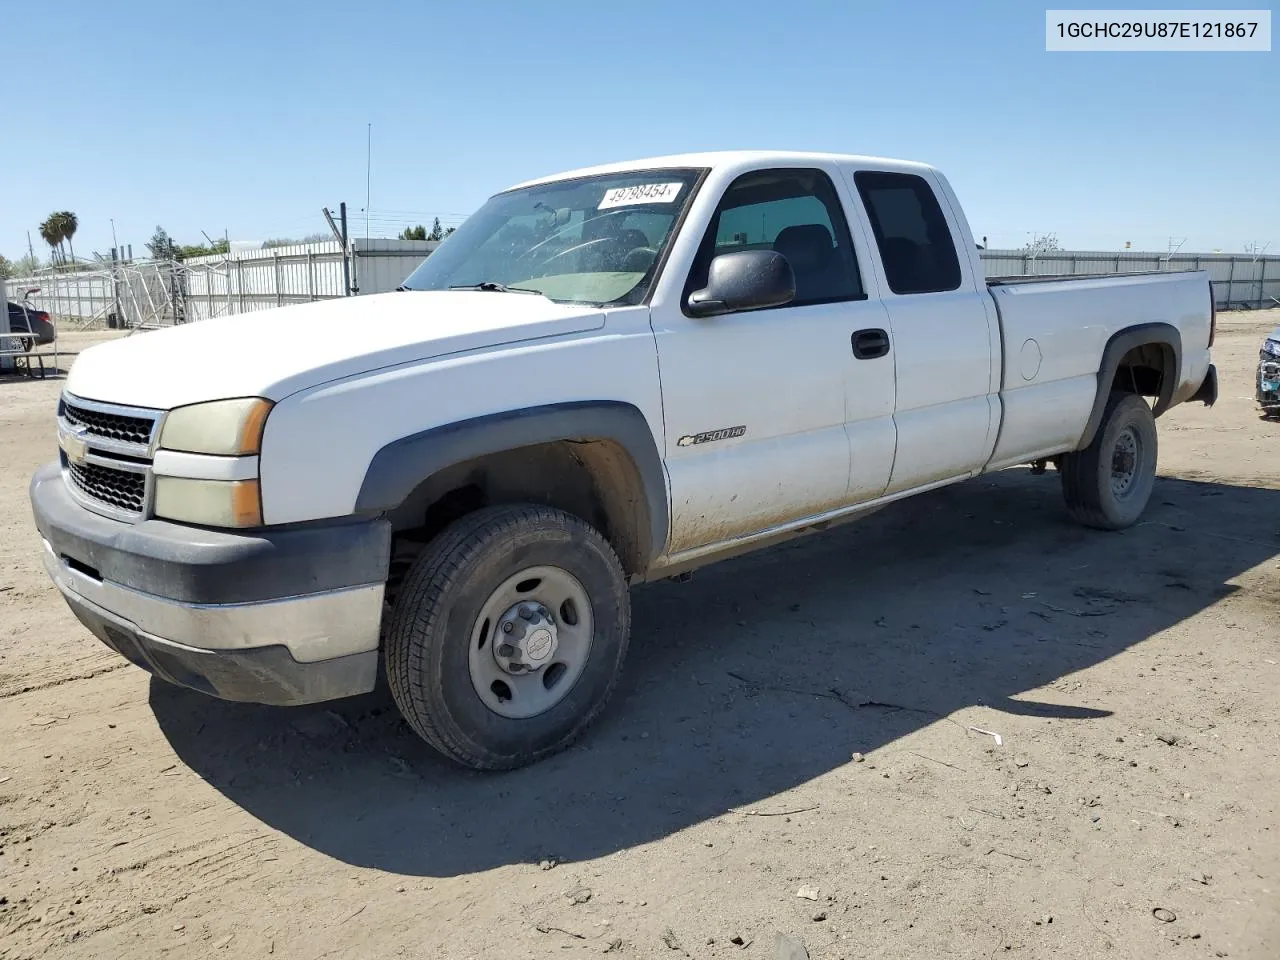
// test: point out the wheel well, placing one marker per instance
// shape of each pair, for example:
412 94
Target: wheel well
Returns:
595 480
1144 370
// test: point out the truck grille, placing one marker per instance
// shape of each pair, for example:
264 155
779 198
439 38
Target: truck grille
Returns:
111 426
124 490
106 455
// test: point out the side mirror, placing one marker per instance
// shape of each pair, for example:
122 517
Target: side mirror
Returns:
744 280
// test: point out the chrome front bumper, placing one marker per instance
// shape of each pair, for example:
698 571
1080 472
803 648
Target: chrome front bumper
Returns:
319 626
278 617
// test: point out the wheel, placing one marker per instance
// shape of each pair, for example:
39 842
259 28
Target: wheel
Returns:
1107 484
23 343
508 635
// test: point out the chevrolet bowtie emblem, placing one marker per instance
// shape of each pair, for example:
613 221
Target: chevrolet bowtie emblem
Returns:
73 446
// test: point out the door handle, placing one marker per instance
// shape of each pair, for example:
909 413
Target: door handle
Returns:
869 344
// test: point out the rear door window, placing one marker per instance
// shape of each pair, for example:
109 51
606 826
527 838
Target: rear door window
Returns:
916 246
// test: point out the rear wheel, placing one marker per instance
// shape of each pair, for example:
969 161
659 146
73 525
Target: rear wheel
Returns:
1107 484
508 635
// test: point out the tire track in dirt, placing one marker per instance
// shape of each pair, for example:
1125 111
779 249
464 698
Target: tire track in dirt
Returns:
55 674
112 895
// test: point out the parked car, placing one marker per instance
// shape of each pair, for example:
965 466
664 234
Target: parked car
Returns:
609 376
29 326
1269 374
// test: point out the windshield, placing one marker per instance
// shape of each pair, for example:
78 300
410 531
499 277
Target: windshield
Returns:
594 240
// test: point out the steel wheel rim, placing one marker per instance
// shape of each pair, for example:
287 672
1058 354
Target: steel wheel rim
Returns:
561 609
1126 456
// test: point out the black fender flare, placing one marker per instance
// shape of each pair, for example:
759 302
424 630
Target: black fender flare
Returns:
1163 334
398 468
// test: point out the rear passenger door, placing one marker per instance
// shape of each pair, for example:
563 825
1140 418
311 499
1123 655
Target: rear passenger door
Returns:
945 339
766 410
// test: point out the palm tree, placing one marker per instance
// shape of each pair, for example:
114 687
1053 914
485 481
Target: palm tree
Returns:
51 233
68 223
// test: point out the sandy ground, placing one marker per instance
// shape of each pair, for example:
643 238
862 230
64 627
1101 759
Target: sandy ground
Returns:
792 749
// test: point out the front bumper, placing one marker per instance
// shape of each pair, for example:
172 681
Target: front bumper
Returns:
269 616
1269 374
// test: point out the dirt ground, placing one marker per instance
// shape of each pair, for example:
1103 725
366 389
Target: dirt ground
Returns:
800 745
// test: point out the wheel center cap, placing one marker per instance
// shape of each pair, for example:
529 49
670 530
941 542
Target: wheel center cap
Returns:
526 640
539 645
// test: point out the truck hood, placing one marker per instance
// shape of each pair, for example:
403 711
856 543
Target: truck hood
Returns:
272 353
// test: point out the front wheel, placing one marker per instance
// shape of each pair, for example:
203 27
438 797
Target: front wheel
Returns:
508 635
1108 483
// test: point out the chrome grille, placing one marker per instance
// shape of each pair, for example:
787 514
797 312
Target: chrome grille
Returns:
125 490
106 455
122 428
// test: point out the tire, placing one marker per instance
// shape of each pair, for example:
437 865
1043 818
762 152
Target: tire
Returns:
439 650
1107 484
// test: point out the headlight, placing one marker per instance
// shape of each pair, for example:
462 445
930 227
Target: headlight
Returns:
1272 347
209 503
230 428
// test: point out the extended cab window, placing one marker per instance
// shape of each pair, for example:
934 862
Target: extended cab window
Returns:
798 214
917 249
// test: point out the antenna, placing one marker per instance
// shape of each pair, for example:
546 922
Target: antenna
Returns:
368 179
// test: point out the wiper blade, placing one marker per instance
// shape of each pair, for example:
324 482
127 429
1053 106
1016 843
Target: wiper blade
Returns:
492 286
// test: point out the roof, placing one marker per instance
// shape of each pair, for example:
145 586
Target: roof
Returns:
729 158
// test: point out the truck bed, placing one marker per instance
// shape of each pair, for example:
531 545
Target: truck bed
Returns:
1054 331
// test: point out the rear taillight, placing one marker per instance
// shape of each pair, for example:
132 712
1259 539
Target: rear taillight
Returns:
1213 314
42 315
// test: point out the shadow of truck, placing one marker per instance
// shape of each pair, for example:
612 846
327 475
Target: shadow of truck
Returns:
759 675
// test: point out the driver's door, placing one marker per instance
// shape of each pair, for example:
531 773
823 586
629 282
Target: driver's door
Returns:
756 403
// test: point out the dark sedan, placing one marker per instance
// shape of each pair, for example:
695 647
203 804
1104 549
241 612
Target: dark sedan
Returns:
29 325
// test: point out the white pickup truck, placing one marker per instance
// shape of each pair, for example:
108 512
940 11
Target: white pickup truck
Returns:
603 377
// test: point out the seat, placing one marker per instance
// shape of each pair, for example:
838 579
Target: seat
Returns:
810 250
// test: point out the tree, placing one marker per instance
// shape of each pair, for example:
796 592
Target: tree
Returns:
26 266
161 247
67 224
6 268
51 233
1042 243
449 232
437 231
415 233
188 250
289 241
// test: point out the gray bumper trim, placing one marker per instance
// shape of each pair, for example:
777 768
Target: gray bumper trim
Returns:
204 566
261 675
317 626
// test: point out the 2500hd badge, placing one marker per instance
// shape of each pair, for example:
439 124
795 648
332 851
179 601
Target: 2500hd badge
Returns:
724 433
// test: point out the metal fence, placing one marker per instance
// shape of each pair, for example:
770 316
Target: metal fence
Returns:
149 293
1239 280
142 294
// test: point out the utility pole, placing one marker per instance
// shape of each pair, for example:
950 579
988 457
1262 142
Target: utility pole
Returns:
346 250
117 316
31 252
340 234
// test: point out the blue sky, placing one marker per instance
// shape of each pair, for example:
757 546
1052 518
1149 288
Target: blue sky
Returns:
247 116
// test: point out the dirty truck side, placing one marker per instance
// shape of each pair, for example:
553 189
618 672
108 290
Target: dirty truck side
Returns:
603 377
